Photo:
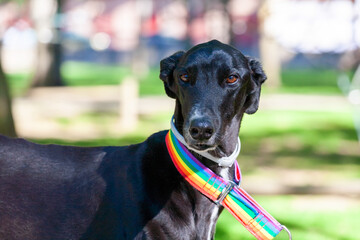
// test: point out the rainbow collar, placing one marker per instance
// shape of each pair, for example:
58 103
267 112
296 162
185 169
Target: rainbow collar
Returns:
222 192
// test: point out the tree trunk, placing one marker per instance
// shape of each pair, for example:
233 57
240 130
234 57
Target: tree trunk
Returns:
7 126
269 49
47 72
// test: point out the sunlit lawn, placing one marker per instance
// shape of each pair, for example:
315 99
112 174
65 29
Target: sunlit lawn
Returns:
308 218
285 139
301 139
323 81
323 141
89 74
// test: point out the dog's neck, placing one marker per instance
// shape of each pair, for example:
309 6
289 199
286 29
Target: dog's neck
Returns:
178 117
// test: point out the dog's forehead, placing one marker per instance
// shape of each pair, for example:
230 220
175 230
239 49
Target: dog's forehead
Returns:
213 51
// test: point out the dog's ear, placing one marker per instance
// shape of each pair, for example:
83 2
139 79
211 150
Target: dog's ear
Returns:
167 67
258 77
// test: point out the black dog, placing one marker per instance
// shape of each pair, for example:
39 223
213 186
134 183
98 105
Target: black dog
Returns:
52 192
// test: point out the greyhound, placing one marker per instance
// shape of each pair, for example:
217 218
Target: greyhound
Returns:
135 192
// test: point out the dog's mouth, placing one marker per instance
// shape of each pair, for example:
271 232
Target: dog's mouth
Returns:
199 143
202 147
212 147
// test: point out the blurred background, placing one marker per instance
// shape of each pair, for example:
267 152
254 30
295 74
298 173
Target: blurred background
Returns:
85 72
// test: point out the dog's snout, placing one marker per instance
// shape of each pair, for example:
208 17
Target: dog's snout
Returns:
201 129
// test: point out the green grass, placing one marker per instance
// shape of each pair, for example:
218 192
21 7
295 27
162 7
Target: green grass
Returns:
151 84
19 83
317 81
300 139
310 218
321 141
147 125
285 139
309 77
320 81
89 74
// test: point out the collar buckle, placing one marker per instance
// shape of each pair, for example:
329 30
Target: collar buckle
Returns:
287 231
225 192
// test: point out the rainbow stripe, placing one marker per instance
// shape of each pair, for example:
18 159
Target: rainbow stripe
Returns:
238 202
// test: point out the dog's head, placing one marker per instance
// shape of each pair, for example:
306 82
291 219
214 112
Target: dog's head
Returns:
214 84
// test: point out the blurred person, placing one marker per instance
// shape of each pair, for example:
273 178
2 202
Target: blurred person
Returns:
168 30
217 24
245 34
311 26
209 21
125 21
19 40
8 14
80 16
172 20
197 31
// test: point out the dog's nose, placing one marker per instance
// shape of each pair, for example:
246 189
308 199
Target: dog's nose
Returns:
201 129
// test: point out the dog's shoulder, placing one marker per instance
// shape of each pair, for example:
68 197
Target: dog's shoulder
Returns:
21 144
157 139
4 140
9 144
21 155
156 163
155 146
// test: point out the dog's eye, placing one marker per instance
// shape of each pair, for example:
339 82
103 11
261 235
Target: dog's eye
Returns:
232 79
184 77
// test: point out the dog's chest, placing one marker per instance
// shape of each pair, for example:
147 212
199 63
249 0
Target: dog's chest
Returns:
210 213
213 220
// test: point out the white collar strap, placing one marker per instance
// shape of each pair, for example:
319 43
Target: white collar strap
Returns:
223 162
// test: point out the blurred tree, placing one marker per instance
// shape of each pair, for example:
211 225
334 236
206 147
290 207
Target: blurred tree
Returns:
7 126
45 14
269 48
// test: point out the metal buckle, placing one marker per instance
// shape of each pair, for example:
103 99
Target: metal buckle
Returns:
287 230
225 192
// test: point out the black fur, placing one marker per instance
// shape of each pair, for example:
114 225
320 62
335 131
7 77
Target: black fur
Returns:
133 192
